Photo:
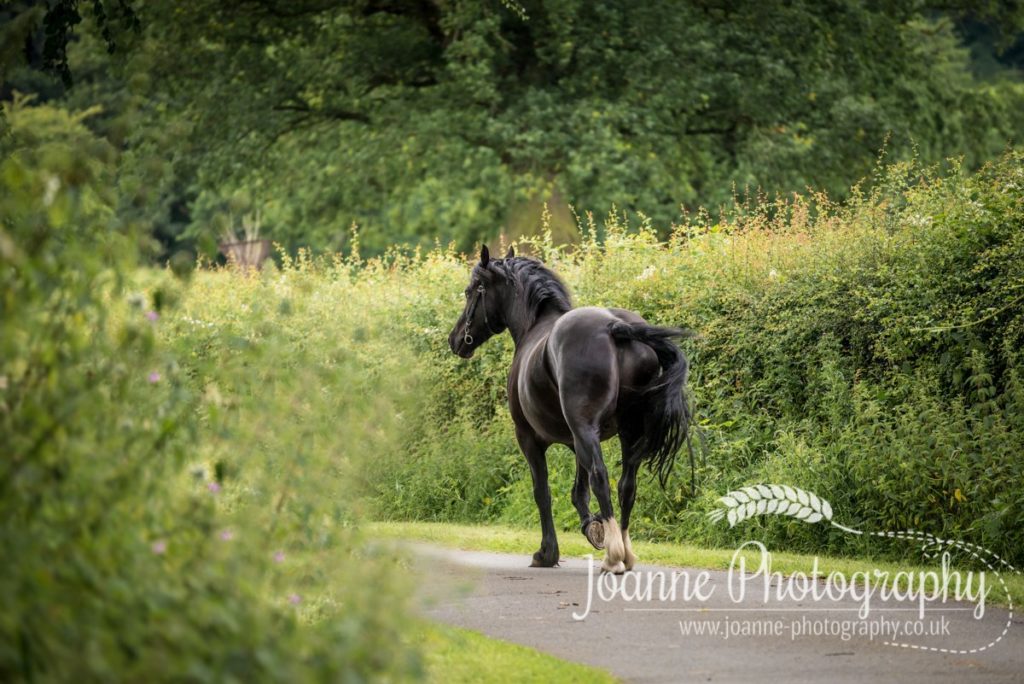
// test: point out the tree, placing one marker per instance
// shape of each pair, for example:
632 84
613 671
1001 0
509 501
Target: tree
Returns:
420 118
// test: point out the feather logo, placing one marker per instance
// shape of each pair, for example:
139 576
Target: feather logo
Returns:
771 499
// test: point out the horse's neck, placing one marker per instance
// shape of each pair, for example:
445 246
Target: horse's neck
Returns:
522 331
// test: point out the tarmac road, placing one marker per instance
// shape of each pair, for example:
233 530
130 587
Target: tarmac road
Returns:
781 641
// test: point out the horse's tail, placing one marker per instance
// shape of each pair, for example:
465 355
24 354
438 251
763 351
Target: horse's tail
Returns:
666 412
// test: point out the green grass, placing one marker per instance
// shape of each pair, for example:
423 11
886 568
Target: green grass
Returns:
459 655
504 539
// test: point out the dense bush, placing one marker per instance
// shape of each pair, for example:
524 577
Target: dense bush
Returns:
869 353
167 512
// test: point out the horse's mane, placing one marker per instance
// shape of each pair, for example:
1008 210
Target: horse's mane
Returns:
536 286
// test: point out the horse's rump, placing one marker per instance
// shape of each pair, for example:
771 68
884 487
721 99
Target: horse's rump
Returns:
665 411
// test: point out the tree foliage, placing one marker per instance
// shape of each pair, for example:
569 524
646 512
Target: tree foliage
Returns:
419 119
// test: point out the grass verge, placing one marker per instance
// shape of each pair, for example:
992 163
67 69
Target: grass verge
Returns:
460 655
504 539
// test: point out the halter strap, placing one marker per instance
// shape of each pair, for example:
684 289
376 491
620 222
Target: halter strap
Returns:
467 338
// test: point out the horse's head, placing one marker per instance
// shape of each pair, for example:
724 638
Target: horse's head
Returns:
483 316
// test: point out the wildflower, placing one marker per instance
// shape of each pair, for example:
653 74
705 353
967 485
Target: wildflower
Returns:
159 547
214 487
152 316
294 599
154 377
279 557
227 535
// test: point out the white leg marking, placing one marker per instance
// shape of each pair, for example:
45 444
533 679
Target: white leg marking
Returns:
630 559
614 550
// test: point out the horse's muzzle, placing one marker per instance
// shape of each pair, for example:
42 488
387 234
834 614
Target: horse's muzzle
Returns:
458 345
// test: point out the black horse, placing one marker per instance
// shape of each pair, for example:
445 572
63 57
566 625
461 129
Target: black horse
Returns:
579 376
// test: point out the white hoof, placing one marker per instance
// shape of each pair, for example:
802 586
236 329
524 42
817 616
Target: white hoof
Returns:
614 568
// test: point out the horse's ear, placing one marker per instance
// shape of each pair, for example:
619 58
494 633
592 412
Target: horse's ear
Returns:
485 255
511 252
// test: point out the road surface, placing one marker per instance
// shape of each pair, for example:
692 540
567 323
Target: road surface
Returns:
781 641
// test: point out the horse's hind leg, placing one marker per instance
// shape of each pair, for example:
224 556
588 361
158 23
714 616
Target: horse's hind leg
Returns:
588 456
587 389
628 435
535 452
590 525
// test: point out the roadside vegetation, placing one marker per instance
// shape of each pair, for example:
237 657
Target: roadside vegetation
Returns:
869 353
168 509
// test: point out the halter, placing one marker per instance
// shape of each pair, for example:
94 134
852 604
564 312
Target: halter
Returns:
467 338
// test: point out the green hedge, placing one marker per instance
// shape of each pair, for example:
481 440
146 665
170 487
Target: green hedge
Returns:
869 353
170 509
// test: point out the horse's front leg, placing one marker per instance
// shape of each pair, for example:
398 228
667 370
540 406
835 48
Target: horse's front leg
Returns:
535 452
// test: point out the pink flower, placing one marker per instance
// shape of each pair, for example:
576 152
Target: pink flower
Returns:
159 547
153 316
294 599
227 535
214 487
154 377
279 557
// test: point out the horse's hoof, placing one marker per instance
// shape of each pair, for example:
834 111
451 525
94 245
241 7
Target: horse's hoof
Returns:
542 561
630 561
615 568
595 534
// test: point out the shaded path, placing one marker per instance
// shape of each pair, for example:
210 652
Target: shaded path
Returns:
498 595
